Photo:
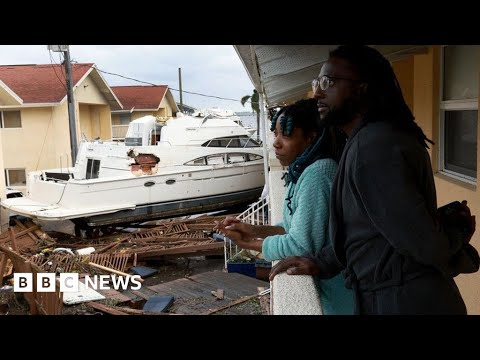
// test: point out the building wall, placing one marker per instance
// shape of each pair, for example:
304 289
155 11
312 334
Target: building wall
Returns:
4 214
40 143
425 98
85 122
93 111
165 108
404 71
88 92
105 116
115 119
43 141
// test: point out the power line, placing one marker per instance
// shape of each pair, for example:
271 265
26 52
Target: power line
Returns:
149 83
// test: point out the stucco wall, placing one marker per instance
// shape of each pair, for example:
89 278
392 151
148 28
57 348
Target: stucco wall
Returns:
425 100
43 141
4 214
165 108
88 92
40 142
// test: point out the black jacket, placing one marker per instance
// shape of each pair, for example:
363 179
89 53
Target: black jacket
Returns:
384 228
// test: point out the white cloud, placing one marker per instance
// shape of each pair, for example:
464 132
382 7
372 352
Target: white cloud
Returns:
208 69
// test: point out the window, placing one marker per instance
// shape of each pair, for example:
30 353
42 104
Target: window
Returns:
241 141
459 111
199 161
11 119
253 157
15 177
125 119
93 168
233 158
216 159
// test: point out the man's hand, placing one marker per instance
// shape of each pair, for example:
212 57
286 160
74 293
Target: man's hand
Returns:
295 265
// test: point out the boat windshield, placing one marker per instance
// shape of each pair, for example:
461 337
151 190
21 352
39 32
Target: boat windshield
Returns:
232 141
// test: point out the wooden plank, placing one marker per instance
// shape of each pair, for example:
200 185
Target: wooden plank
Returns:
193 295
233 303
114 295
173 288
180 250
105 308
3 266
12 239
23 227
235 285
41 234
187 289
101 267
23 232
190 297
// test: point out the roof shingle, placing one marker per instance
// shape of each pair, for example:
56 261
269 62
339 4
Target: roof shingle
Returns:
140 97
40 83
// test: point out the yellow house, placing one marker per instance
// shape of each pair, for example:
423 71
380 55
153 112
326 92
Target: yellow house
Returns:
34 116
441 86
139 101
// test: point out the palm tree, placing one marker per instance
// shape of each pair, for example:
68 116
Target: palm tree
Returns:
254 101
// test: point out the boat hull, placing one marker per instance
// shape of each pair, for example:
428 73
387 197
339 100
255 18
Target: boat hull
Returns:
130 199
175 208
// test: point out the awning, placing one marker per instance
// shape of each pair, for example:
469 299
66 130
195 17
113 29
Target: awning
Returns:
284 72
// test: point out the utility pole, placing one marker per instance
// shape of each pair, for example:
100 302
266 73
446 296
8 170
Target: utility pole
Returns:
180 85
70 101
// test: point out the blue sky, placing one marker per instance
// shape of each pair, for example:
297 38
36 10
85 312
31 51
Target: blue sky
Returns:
208 69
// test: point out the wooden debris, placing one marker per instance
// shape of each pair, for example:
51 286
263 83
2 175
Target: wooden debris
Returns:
113 271
11 232
3 266
104 308
264 301
218 294
233 303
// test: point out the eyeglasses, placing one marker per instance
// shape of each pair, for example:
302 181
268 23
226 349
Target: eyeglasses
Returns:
325 81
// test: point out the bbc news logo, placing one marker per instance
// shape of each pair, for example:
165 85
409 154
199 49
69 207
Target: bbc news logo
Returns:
46 282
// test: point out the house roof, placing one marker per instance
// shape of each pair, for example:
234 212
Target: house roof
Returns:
36 84
140 97
40 83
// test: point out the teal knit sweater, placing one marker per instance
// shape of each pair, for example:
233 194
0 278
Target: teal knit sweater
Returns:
307 231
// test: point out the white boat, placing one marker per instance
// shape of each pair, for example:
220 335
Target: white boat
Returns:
185 165
222 113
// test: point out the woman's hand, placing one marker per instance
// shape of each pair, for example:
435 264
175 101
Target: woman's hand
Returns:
244 235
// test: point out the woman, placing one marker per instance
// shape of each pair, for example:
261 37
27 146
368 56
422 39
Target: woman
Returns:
311 153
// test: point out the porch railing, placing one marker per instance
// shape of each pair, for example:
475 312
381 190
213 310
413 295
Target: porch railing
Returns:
119 131
256 214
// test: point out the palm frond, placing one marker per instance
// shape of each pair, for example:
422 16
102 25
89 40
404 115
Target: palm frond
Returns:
244 99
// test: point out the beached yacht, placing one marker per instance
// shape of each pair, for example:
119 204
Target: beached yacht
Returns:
222 113
182 166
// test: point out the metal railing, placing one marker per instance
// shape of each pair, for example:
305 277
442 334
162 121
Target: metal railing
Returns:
256 214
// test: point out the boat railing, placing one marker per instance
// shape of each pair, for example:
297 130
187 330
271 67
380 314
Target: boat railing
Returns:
256 214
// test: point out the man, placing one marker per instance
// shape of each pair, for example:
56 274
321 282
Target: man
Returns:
384 226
